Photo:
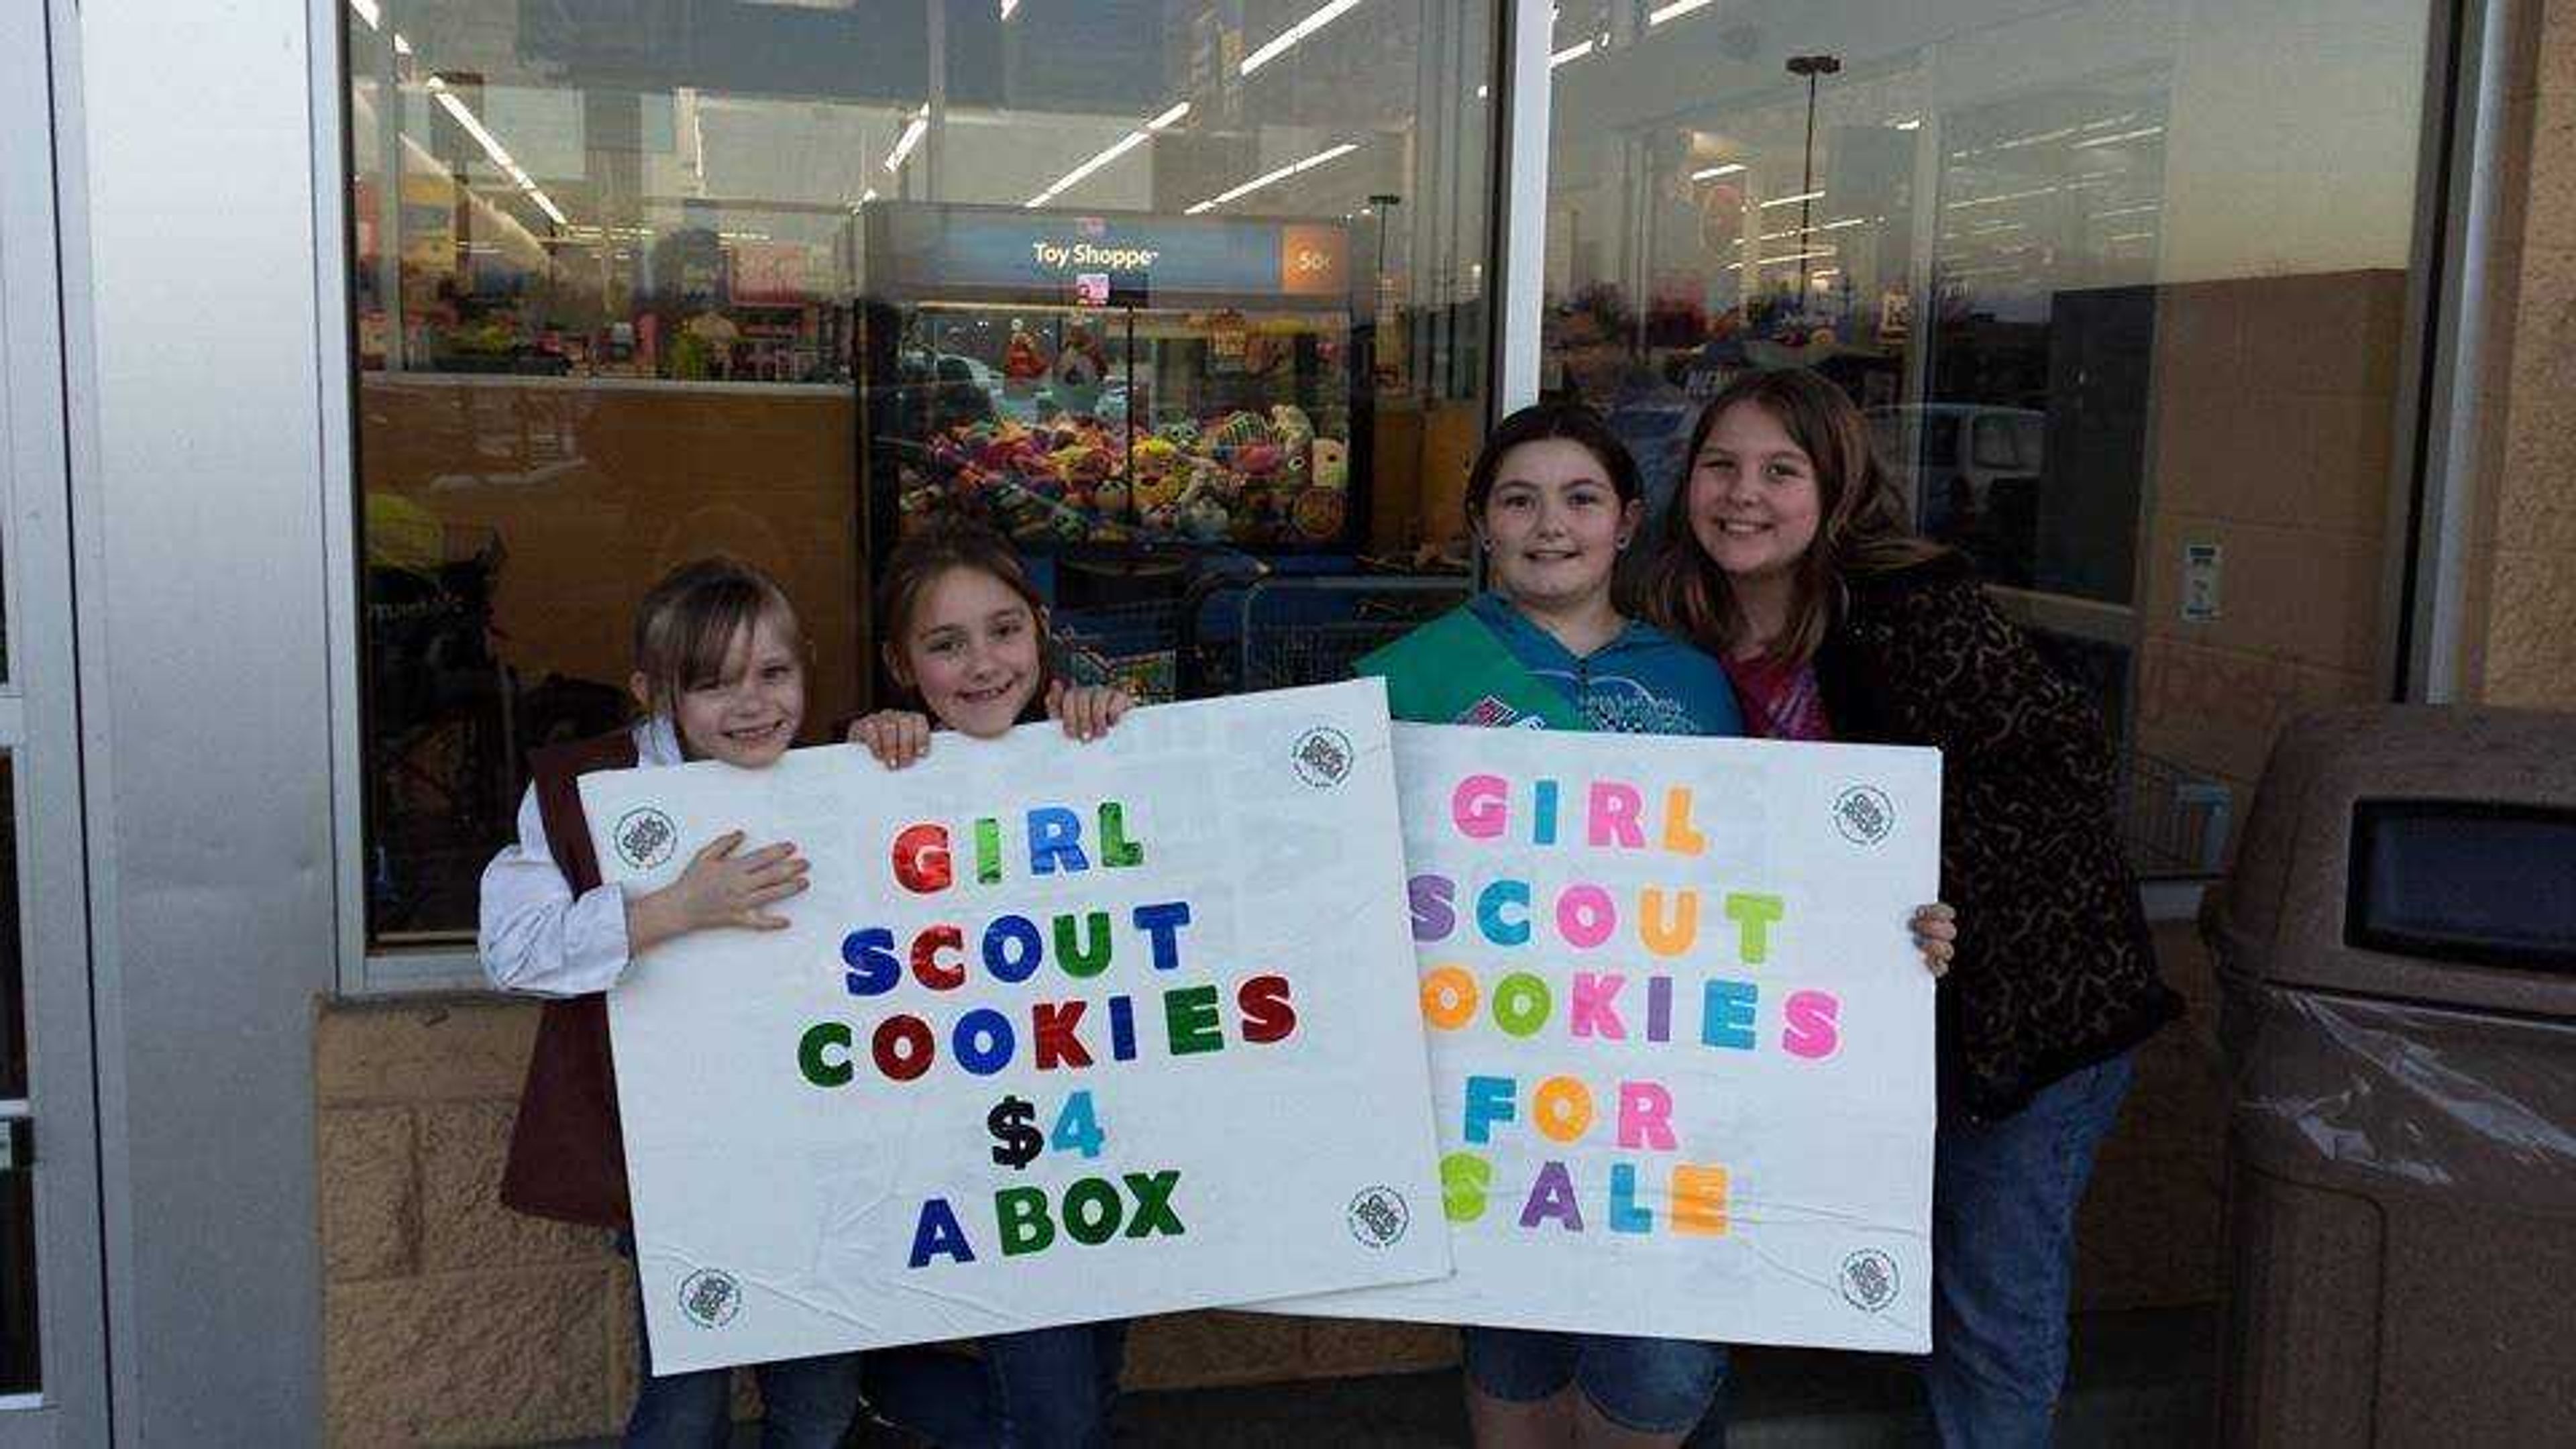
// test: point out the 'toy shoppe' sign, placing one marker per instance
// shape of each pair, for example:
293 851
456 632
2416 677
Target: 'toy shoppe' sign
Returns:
1060 1032
1681 1039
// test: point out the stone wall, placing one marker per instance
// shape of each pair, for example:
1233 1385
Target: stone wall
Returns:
2521 583
450 1320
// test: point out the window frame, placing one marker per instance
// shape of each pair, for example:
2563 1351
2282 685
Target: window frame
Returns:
2437 401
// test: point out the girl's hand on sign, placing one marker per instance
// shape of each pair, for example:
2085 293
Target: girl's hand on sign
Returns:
724 885
1936 935
1087 710
897 737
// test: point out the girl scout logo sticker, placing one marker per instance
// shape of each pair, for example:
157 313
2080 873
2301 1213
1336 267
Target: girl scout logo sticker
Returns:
1378 1217
1322 757
645 837
710 1298
1863 815
1869 1280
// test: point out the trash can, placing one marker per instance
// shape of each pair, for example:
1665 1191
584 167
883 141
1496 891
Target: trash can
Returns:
2397 968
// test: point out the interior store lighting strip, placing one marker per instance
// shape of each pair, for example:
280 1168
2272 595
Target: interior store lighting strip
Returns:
1674 11
1268 178
366 11
1286 40
911 137
1115 149
493 148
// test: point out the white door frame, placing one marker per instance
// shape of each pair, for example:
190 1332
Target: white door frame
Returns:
56 1124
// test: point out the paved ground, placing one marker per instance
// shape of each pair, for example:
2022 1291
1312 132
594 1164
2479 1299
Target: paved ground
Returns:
2138 1379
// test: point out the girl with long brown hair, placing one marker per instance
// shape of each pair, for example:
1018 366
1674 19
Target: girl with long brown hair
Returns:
1786 555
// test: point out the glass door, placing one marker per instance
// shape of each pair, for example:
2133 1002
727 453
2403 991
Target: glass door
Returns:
53 1381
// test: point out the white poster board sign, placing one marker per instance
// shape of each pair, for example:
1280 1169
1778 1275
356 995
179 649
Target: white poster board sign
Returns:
1681 1038
1060 1032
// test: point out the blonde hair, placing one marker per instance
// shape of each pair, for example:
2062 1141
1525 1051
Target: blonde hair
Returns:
687 623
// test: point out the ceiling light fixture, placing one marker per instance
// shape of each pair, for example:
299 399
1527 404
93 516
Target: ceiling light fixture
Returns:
1268 178
1280 44
1112 152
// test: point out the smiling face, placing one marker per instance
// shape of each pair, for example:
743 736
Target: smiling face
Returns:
748 712
1754 502
972 652
1554 525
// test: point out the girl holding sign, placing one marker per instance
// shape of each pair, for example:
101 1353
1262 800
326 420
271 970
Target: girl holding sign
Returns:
1787 557
720 675
965 635
1554 500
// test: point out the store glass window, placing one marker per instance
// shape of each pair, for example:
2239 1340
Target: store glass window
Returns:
2120 286
1185 295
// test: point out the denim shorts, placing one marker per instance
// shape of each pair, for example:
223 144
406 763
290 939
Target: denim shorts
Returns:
1648 1385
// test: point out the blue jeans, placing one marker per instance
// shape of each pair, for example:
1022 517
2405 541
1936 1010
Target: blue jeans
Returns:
1650 1385
806 1403
2003 1247
1048 1388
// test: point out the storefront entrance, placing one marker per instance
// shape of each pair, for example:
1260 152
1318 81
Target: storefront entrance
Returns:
53 1360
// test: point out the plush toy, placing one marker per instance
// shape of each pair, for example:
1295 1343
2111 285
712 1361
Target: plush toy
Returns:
1318 514
1081 363
1257 460
1154 457
1240 430
1023 360
1158 491
1204 518
1332 466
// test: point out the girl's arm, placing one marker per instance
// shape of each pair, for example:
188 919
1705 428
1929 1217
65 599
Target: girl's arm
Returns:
534 935
1087 710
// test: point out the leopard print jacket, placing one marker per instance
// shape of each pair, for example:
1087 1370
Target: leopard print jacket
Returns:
2055 970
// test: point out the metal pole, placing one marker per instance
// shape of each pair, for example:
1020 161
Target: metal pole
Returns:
1812 67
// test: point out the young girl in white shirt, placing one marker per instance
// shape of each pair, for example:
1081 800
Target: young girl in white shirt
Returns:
719 675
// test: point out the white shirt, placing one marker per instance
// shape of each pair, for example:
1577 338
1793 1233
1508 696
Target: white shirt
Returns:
536 935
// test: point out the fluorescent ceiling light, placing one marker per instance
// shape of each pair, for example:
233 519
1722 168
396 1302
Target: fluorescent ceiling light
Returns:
1570 54
2142 131
1280 44
1268 178
1910 123
1674 11
1008 6
492 147
1115 149
1794 200
1714 172
910 138
366 11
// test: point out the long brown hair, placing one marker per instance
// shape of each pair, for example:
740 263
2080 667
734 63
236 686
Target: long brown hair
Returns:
688 622
1860 522
952 542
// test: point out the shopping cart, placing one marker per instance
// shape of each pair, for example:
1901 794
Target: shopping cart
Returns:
2175 822
1311 629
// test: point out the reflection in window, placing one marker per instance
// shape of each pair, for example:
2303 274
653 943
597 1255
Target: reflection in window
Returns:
1186 296
2106 279
18 1322
13 961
